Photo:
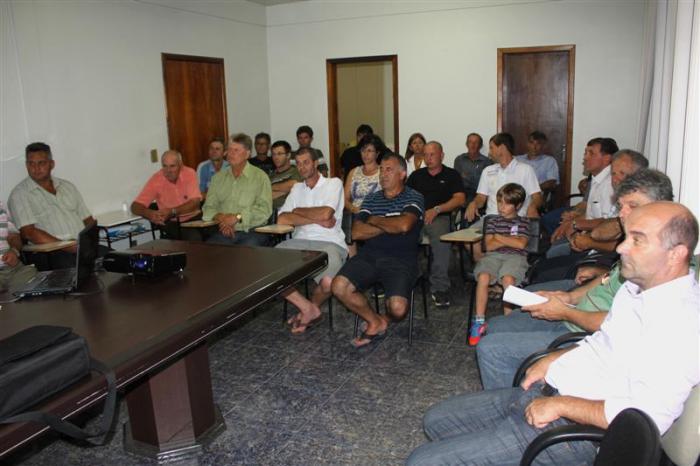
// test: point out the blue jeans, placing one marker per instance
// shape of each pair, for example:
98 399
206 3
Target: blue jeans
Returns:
560 247
508 341
489 428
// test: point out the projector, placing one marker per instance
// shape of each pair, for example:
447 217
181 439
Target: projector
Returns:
150 263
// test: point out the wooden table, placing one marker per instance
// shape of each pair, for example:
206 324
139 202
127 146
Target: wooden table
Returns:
153 333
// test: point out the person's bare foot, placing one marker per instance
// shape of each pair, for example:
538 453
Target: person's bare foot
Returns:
306 321
371 333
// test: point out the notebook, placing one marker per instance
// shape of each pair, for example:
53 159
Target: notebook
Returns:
62 281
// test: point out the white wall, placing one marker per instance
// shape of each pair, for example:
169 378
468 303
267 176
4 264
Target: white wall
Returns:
86 78
447 62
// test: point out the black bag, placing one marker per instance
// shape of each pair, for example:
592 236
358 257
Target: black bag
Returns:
41 361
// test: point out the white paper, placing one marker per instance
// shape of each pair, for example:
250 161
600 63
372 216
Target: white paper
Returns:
521 297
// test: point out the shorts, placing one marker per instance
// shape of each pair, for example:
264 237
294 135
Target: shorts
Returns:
397 276
498 264
336 254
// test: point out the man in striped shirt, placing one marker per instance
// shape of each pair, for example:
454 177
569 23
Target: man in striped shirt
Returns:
389 223
48 209
12 271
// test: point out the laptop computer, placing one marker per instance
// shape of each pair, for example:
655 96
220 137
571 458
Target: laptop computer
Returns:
63 281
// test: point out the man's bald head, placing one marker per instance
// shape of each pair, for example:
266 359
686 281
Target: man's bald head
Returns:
659 239
172 156
678 225
171 161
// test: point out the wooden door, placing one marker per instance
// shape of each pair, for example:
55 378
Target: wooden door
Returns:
334 111
195 96
536 92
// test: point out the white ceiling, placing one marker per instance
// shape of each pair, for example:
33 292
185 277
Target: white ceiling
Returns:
274 2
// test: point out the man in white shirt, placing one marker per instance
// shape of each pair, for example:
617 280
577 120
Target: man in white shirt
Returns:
315 208
506 170
599 204
616 368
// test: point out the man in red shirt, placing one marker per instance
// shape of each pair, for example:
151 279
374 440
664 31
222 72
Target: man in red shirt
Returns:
175 191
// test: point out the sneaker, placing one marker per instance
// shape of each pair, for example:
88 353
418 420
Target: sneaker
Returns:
441 298
476 331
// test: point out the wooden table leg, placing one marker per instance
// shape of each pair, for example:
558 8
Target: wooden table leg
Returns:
172 412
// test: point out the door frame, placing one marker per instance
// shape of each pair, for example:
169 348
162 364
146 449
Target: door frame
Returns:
332 85
571 49
177 57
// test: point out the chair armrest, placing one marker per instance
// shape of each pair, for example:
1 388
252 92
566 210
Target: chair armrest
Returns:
560 434
529 361
571 337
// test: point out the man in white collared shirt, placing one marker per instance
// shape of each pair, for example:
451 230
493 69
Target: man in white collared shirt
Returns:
599 205
506 170
644 356
315 208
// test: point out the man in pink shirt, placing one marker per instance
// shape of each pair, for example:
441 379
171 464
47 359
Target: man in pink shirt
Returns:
175 191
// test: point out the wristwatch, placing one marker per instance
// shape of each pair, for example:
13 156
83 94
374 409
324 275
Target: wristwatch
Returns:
173 212
573 224
437 209
239 217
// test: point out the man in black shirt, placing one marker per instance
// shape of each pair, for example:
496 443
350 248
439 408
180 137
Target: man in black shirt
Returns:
443 191
261 159
352 157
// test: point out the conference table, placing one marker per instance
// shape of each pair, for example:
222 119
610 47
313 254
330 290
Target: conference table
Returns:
153 332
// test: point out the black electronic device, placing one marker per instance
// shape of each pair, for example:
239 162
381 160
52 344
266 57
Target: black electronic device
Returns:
146 263
63 281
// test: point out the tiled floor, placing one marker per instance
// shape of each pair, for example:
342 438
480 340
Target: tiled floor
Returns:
313 399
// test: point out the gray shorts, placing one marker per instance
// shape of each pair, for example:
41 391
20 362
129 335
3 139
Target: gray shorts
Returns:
498 264
336 254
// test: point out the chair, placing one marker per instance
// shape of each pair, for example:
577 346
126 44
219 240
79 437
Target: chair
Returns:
680 443
556 344
632 438
162 229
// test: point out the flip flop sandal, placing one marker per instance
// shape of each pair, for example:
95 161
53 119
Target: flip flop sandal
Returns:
372 338
310 324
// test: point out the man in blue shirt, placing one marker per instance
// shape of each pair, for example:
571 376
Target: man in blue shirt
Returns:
207 169
545 166
389 223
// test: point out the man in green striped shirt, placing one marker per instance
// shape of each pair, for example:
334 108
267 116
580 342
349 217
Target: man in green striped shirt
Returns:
239 198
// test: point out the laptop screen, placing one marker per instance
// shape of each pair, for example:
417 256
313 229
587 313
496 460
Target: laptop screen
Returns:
88 240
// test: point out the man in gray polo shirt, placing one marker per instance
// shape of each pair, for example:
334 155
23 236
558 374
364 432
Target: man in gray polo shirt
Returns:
46 208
